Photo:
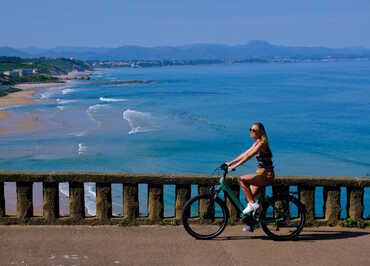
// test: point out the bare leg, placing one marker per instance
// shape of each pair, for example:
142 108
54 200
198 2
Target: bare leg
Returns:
255 190
245 187
251 185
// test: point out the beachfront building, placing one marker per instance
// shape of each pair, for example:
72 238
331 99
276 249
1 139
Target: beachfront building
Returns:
27 72
22 72
14 73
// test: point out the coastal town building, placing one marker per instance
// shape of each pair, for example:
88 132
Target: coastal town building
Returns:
22 72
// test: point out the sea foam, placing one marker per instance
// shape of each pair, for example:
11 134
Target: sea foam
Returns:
103 99
90 198
47 94
140 121
90 195
60 101
68 91
82 149
92 111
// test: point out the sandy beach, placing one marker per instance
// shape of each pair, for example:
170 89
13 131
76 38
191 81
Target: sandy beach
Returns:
26 122
26 95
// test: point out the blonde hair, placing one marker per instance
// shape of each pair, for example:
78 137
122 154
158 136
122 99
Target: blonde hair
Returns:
263 135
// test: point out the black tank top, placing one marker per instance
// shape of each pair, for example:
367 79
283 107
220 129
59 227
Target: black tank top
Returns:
264 158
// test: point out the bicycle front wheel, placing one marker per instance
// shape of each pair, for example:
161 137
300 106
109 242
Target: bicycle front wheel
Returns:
283 218
204 217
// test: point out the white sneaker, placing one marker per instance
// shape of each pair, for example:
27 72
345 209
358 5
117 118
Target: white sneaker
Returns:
251 207
246 228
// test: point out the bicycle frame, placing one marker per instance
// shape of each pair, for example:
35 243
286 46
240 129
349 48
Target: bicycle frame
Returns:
223 186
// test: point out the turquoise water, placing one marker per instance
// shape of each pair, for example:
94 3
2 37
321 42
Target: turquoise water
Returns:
192 118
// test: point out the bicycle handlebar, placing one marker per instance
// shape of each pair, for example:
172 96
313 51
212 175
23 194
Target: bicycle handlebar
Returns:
225 168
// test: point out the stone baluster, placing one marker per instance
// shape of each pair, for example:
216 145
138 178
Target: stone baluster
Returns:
50 197
281 205
234 212
206 211
332 204
182 196
130 202
307 196
155 202
355 205
24 201
76 200
103 202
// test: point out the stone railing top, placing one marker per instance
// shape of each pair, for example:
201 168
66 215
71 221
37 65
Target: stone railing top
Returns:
168 178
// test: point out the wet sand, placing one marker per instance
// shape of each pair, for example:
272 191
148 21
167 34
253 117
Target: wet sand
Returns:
25 96
27 122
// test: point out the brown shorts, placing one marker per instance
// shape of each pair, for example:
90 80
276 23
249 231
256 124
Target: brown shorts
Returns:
267 174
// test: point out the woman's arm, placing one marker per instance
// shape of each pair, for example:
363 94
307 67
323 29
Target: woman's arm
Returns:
245 156
242 155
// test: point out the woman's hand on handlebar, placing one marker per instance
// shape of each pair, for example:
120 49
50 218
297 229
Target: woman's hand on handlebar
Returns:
230 168
226 167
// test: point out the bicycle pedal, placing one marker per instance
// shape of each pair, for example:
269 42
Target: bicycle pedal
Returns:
248 220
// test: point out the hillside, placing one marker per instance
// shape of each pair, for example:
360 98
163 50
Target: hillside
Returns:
47 66
253 49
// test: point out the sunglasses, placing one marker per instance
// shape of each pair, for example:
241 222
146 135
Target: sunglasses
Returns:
253 130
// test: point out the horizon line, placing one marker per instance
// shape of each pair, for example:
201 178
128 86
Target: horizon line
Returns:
183 45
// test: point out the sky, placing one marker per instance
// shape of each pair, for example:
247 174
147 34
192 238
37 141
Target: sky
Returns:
113 23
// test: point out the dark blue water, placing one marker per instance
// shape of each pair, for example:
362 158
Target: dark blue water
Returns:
192 118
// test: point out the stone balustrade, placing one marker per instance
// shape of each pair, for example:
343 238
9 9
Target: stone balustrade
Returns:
24 184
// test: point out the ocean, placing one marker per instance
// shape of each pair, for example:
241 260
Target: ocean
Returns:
190 119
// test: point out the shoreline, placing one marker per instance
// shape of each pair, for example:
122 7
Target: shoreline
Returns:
25 96
26 122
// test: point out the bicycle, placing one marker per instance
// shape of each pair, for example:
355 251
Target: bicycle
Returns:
281 216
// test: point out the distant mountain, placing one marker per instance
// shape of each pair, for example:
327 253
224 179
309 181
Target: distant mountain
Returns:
253 49
7 51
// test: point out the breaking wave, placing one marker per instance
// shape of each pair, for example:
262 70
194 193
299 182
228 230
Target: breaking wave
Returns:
90 195
103 99
60 101
47 94
82 149
140 121
92 112
68 91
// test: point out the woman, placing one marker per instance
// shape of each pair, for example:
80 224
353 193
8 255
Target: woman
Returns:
252 183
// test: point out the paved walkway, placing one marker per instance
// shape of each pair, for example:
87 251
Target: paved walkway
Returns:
170 245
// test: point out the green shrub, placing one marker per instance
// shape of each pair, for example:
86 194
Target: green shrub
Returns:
349 222
127 222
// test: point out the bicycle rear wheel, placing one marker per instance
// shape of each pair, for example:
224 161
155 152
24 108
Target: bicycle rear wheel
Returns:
283 218
204 217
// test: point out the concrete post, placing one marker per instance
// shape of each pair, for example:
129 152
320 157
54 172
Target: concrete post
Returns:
355 196
306 196
24 201
103 201
205 210
76 200
234 212
130 202
155 202
182 196
332 205
281 205
2 200
50 197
